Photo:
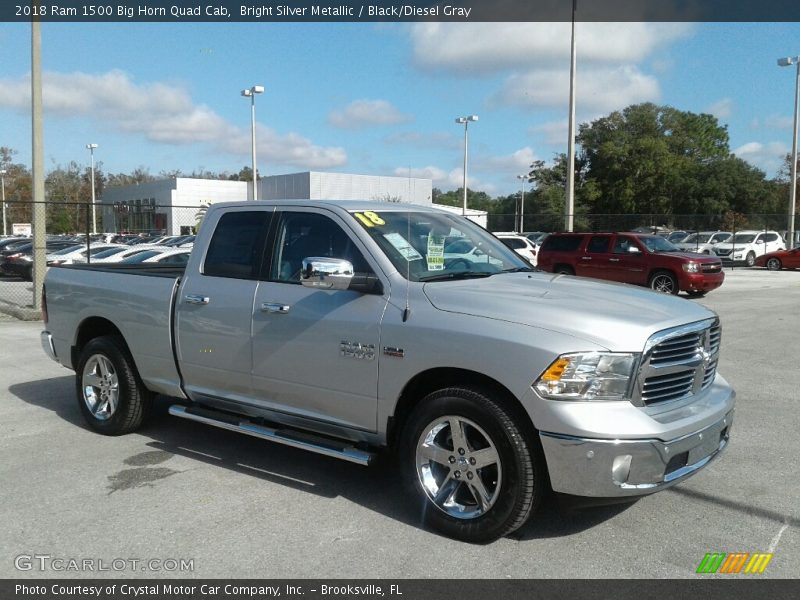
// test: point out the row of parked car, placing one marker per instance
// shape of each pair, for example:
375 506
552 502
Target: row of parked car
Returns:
668 262
16 254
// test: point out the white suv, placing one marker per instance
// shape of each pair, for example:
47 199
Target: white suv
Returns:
519 244
746 246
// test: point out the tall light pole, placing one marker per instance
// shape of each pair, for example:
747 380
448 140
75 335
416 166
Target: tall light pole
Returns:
785 62
3 187
569 207
524 178
465 121
251 93
91 148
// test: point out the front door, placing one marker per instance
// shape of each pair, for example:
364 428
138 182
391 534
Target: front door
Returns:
316 351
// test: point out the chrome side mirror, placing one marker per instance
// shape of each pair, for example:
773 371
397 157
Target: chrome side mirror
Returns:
634 250
326 273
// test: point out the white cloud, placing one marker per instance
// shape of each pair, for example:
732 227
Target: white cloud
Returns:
601 89
772 122
446 180
555 132
721 109
161 113
481 48
516 163
367 113
767 157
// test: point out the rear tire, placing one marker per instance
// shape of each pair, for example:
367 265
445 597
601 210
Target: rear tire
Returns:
774 264
466 459
111 395
664 282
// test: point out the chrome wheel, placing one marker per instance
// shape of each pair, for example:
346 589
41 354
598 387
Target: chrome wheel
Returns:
100 387
664 283
774 264
459 467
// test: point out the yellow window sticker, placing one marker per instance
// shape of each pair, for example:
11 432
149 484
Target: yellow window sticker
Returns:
435 256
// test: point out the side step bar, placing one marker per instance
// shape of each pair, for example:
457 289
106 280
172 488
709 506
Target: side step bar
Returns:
288 437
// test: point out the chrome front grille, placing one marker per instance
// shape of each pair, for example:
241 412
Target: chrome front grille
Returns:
711 267
678 363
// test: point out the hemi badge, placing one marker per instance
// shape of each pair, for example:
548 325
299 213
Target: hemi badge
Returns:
389 351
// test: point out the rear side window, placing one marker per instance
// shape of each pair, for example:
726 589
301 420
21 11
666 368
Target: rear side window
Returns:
772 237
598 243
513 243
562 243
235 248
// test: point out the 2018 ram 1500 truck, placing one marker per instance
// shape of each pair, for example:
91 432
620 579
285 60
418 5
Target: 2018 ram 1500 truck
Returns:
343 328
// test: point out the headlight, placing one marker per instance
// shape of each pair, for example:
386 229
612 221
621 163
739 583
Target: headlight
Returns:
588 376
691 267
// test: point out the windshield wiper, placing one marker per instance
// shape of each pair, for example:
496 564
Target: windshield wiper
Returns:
520 270
456 275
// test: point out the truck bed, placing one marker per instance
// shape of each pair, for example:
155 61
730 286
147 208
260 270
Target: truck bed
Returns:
137 300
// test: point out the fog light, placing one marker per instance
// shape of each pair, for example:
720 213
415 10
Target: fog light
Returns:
621 469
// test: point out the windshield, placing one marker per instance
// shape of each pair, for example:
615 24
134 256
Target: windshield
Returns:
109 252
743 238
697 238
656 243
140 257
68 249
425 246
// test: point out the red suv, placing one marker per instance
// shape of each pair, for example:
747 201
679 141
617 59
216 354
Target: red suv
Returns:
631 258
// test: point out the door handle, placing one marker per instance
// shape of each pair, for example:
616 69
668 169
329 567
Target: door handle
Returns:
196 299
613 260
275 307
586 258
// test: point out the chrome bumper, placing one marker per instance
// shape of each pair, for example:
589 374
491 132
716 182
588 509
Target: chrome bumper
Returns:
618 468
47 345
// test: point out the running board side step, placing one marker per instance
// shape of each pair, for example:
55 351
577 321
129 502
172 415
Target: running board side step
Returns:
288 437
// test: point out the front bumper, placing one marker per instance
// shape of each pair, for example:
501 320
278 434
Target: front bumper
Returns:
620 468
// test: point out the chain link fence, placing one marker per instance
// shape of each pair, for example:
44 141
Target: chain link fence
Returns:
142 221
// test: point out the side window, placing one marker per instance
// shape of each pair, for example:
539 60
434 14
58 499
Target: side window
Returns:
622 245
562 243
598 243
772 237
301 235
235 248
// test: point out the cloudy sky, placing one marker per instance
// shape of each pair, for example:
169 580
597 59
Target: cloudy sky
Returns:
381 98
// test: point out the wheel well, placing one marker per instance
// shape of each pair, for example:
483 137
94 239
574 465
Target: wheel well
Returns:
91 328
661 270
432 380
565 266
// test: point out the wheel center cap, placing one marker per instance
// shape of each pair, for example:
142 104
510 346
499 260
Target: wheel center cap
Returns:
463 462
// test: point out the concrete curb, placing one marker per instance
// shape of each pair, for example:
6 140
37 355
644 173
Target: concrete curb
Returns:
23 313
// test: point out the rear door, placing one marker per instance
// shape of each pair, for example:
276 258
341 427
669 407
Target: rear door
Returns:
594 262
315 351
215 306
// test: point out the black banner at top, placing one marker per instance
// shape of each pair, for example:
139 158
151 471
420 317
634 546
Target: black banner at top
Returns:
465 11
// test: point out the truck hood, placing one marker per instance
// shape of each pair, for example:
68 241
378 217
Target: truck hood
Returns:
616 316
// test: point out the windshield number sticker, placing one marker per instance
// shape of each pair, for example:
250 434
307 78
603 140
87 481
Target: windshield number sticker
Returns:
435 256
369 218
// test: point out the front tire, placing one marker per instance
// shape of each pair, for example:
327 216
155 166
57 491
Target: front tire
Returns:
750 259
664 282
111 396
468 461
774 264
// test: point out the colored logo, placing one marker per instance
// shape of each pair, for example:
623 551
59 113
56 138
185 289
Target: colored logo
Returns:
734 563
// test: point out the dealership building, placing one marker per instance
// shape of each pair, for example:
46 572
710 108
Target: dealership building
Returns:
173 205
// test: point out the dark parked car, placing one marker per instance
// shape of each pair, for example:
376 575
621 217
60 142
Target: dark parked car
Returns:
631 258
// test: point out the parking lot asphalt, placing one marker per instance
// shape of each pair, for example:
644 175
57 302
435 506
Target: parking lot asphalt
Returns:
241 507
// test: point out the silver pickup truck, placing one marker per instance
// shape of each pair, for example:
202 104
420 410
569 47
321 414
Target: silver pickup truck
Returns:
348 327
